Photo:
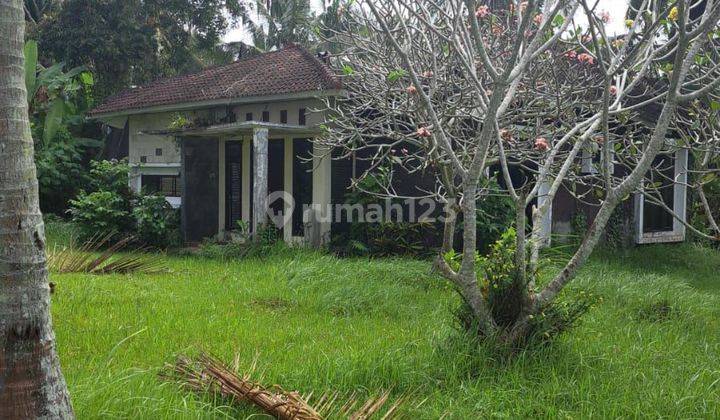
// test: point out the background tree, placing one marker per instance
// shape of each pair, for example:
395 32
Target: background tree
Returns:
275 23
130 42
32 384
466 91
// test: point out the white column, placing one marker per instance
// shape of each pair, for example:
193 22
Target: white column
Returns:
680 192
260 177
135 180
321 191
546 222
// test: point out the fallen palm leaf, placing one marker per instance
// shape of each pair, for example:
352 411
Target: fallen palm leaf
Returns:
207 374
99 256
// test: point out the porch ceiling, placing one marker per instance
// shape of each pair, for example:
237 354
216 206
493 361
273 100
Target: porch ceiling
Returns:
239 128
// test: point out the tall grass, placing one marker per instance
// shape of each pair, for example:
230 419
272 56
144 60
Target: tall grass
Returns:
311 322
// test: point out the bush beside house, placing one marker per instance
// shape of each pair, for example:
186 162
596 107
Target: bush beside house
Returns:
110 207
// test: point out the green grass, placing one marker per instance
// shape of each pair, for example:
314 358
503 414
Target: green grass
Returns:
314 322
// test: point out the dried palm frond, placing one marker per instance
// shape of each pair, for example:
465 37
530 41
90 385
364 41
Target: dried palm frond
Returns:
207 374
99 256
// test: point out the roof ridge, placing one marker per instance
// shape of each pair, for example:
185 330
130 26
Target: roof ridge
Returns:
290 69
322 66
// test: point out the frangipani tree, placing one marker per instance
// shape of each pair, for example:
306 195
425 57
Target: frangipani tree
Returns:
459 88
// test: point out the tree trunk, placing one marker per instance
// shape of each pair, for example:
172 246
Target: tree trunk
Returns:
31 384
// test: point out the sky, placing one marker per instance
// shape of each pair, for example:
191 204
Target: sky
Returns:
616 8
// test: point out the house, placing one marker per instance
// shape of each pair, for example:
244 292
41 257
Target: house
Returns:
219 142
253 122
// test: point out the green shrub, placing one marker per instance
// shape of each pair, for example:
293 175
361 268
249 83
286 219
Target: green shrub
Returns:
60 171
495 214
157 223
265 244
111 175
100 213
498 276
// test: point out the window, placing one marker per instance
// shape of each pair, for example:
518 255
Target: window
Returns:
248 116
143 159
302 117
653 223
266 116
283 116
158 152
165 185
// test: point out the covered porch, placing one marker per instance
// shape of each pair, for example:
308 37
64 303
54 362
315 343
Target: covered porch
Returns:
241 176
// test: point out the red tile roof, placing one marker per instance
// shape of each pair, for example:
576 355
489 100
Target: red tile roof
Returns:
290 70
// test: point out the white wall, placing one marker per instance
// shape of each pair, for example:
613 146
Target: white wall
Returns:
292 107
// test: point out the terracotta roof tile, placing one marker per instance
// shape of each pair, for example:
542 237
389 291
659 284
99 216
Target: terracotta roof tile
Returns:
290 70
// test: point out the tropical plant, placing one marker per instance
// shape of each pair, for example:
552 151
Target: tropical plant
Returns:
276 23
55 97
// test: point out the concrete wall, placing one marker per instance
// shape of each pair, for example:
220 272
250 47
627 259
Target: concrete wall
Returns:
292 108
146 144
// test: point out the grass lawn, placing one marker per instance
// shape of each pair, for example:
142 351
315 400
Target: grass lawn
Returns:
313 322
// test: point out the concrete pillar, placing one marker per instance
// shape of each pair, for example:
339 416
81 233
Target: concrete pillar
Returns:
322 182
546 222
260 178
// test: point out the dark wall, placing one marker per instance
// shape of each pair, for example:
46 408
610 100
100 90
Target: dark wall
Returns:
117 143
200 188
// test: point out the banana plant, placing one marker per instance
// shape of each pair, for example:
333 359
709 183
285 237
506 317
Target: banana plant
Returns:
61 96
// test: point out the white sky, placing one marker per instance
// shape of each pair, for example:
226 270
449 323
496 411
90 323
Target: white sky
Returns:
616 8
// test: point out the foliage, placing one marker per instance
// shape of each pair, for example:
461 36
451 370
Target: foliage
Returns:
104 212
287 21
157 223
501 289
60 171
57 101
130 42
386 238
111 175
111 207
55 97
698 216
400 238
618 232
495 214
409 75
265 244
179 122
100 255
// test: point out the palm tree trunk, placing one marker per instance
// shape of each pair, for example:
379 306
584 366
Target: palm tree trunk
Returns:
31 384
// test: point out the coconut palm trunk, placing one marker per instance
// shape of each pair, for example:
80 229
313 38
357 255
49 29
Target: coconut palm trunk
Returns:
31 383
